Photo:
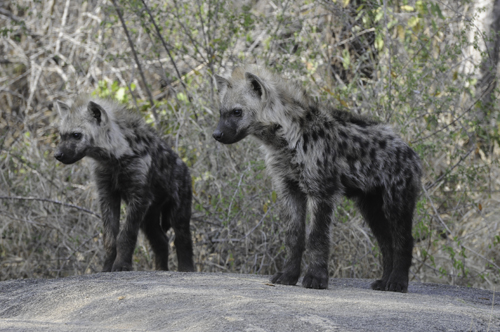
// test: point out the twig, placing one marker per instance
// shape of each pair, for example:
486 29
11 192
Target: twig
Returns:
478 254
236 191
10 15
150 96
19 21
169 55
61 28
353 37
18 95
51 201
74 251
455 120
258 224
451 169
277 28
436 211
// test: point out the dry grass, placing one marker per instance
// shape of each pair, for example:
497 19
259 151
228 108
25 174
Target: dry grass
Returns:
54 49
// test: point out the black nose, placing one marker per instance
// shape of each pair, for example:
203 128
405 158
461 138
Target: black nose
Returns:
58 155
217 134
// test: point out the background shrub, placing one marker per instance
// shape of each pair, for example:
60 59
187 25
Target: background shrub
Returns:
427 67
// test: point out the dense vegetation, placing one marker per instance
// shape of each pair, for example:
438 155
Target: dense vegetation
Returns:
424 66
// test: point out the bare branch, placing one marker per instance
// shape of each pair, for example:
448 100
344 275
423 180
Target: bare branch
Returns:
169 55
19 198
150 96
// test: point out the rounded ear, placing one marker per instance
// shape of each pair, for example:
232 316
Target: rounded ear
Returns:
97 112
258 86
222 85
62 108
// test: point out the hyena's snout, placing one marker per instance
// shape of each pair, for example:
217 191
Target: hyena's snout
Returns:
228 133
67 155
63 157
59 155
218 134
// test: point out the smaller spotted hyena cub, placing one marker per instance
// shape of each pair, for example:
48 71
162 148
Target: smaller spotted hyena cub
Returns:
132 163
316 155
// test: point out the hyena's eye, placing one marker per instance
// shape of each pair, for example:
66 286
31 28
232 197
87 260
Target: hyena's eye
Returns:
76 135
237 112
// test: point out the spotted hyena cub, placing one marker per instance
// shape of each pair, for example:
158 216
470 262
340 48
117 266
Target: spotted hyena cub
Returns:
131 163
316 155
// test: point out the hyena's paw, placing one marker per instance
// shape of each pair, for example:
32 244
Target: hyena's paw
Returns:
392 285
186 268
379 285
397 285
316 278
285 278
107 268
108 265
121 266
185 264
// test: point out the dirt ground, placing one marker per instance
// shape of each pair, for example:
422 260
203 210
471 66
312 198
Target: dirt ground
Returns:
172 301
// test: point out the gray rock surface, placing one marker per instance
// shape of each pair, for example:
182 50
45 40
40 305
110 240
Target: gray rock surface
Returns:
172 301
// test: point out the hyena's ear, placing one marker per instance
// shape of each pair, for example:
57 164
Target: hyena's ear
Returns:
97 112
258 86
222 85
62 108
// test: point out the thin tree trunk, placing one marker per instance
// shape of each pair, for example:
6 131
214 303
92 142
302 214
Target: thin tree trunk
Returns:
488 81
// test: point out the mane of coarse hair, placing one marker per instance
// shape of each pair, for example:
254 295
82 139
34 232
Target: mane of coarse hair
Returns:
116 112
288 90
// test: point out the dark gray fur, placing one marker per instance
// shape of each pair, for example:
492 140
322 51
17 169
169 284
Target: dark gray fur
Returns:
316 155
132 163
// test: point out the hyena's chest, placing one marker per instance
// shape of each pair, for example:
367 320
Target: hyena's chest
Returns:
313 171
128 183
325 167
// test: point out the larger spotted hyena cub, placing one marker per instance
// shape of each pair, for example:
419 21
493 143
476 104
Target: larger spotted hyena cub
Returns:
316 155
131 163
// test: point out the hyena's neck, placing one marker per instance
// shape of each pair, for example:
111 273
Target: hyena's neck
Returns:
103 156
286 123
122 144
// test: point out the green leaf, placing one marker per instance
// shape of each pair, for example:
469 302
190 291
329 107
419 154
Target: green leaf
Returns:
413 21
120 95
346 58
379 42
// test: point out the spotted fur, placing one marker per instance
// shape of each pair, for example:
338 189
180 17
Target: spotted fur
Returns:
315 156
131 163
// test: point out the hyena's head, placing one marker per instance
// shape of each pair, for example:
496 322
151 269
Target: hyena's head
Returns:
79 126
242 98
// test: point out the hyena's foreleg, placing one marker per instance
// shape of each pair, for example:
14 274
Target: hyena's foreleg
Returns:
318 244
293 212
110 210
127 238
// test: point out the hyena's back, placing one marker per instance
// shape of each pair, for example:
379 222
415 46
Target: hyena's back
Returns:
131 163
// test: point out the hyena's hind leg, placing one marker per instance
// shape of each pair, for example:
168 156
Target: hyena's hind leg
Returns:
400 215
370 205
156 236
179 218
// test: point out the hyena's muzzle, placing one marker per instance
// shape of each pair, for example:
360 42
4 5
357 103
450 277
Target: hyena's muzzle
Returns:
70 149
230 128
